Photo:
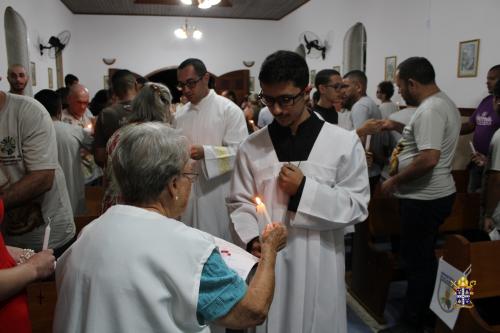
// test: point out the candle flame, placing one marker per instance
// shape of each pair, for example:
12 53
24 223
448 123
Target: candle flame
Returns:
258 201
89 126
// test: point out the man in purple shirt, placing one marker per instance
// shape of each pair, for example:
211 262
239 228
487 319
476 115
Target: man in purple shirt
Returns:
483 122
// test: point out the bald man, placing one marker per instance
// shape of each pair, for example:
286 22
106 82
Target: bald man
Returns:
77 114
18 79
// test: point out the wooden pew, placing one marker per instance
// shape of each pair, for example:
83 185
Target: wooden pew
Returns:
93 200
381 265
42 297
484 258
82 221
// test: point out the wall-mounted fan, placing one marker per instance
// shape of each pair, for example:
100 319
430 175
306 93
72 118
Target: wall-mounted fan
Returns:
313 45
56 43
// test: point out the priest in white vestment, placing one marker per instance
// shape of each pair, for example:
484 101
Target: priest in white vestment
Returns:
312 176
138 269
215 126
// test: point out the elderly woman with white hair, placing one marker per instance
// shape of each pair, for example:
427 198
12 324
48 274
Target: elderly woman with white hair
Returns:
137 269
152 103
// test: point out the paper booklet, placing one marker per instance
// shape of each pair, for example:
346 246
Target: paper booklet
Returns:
236 258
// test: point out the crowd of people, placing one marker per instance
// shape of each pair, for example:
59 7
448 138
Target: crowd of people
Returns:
178 175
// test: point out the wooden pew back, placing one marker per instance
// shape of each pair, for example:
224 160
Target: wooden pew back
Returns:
93 200
42 298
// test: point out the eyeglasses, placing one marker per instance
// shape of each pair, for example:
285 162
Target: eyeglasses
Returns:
283 100
192 176
189 83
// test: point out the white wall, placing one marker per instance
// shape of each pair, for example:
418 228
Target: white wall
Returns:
145 44
43 18
403 28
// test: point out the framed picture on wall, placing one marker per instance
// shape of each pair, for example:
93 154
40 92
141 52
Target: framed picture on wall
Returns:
312 76
106 81
33 73
468 58
51 78
390 68
251 86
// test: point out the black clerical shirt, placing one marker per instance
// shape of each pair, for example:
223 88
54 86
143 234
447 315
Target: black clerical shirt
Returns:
289 147
329 114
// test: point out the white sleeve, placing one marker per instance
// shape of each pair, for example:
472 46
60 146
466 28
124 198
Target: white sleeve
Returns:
323 207
240 201
220 159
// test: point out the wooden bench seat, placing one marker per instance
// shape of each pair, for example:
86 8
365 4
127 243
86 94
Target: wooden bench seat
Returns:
484 258
374 269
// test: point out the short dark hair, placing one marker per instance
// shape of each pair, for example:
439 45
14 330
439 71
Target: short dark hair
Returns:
495 68
198 65
417 68
69 79
63 92
50 100
99 101
122 81
141 80
285 66
496 89
357 75
323 76
386 88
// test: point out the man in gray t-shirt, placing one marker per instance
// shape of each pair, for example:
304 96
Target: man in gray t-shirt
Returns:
31 181
421 179
363 108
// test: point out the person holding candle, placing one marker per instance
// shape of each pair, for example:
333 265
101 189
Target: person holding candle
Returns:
70 140
32 183
18 268
137 269
78 115
312 177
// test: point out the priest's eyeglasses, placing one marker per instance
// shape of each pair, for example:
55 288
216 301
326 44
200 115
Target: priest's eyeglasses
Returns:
189 83
283 100
192 176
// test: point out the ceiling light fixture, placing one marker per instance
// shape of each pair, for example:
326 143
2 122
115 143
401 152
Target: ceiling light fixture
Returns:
186 31
202 4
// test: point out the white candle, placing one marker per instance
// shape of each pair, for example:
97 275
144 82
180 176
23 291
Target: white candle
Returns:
88 129
262 207
46 236
367 143
472 147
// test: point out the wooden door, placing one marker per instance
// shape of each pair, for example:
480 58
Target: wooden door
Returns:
237 81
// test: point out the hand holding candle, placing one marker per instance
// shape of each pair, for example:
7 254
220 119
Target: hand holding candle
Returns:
367 143
89 129
261 208
46 237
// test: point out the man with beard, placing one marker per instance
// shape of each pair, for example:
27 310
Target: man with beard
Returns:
363 108
422 181
18 79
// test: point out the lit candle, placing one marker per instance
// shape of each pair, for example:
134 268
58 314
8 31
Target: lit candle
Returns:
88 128
472 148
46 236
262 208
367 143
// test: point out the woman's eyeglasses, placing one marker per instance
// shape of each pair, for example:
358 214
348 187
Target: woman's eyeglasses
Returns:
192 176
